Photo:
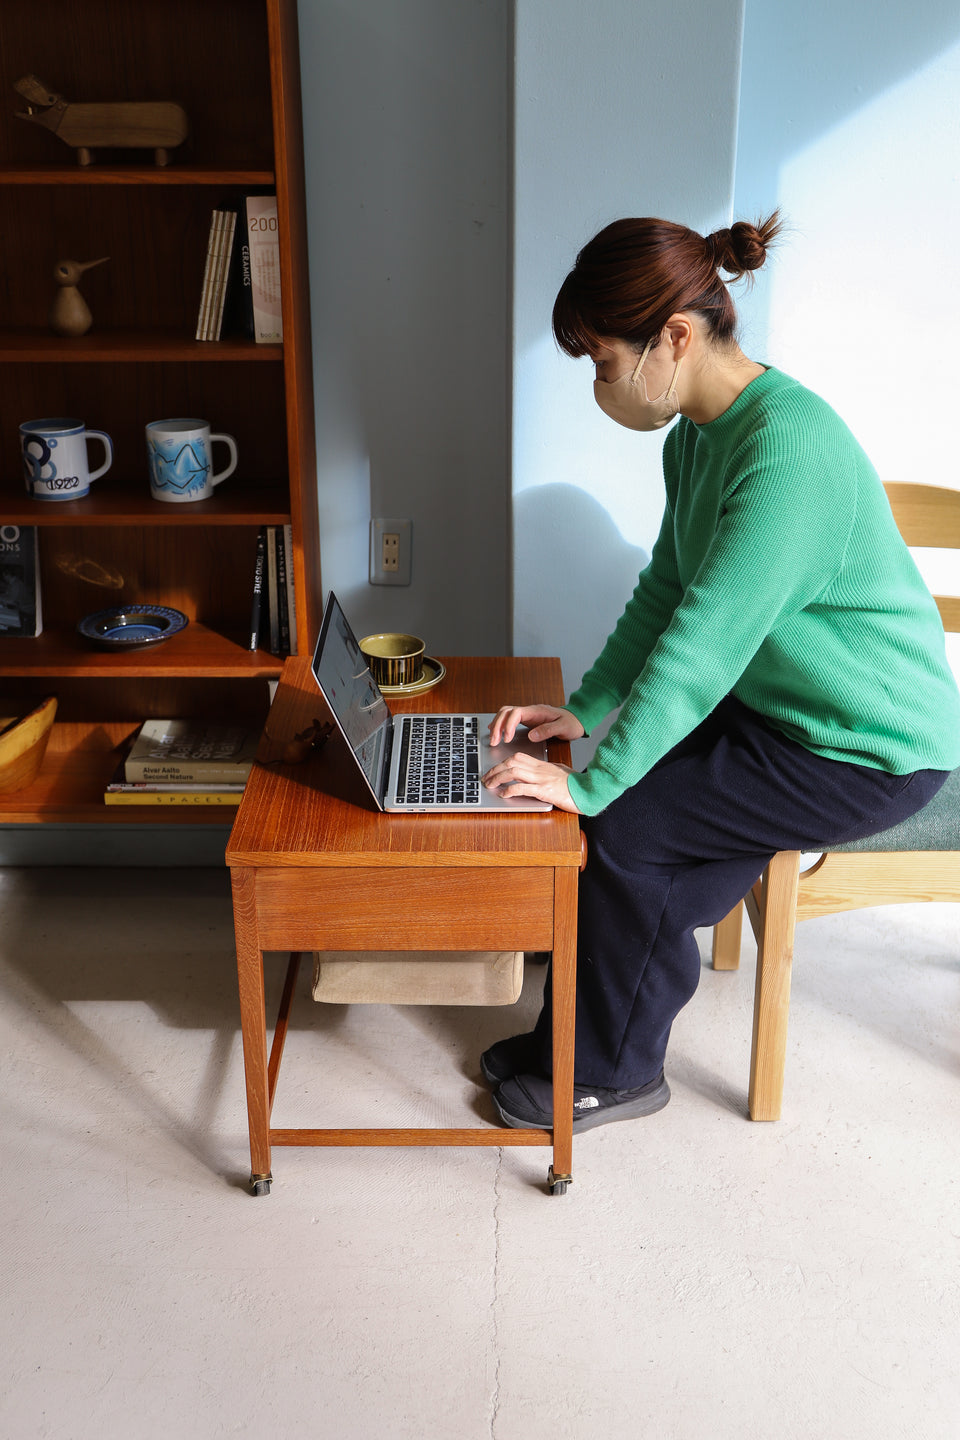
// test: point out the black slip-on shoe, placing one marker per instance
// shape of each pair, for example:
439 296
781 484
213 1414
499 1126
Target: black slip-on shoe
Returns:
526 1101
516 1055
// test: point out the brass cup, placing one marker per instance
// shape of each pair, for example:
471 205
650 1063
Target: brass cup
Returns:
394 659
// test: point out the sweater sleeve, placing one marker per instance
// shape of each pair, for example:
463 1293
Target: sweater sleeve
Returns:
778 543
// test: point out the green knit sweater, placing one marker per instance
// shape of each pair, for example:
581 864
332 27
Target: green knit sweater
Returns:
778 576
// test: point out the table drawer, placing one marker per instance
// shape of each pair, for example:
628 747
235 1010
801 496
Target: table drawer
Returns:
405 909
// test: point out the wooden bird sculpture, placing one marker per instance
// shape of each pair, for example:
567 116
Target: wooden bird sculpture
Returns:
158 125
70 313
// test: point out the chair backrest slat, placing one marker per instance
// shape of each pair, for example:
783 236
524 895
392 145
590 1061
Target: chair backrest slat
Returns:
949 607
928 516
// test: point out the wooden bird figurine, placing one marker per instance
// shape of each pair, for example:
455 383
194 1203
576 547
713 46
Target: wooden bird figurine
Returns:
158 125
70 313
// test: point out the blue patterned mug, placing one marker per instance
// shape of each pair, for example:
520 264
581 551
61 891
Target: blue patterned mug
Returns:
55 465
179 456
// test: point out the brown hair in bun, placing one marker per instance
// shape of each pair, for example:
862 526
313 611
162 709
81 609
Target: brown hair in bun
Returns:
631 277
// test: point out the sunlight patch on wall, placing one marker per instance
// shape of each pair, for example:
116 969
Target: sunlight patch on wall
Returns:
864 307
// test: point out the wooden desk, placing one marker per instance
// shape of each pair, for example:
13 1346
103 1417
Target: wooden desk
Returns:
313 869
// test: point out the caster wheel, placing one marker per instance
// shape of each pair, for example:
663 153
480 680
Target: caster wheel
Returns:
557 1184
260 1186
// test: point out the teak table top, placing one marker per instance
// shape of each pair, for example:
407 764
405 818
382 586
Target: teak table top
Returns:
316 813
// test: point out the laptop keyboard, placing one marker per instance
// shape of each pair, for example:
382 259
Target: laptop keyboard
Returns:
439 761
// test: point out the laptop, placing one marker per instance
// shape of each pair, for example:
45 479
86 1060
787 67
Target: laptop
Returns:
419 764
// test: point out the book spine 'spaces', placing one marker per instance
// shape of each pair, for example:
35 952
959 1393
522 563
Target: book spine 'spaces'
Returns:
165 797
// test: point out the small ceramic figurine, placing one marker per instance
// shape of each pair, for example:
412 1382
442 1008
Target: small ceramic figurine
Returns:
70 313
156 125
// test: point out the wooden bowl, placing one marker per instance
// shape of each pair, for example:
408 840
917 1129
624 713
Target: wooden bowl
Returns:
22 745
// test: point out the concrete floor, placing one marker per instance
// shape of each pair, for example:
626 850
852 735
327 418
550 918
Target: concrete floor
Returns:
704 1278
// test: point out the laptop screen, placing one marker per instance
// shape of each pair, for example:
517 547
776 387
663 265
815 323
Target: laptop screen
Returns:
343 675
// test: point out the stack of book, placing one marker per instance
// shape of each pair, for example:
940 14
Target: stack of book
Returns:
184 762
273 618
241 279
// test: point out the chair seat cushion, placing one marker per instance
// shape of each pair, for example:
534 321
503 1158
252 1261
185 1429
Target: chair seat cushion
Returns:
935 827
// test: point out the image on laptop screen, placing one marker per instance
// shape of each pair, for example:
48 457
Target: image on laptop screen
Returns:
344 676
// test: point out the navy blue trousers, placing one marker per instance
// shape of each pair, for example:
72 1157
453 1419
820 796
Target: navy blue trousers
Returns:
678 851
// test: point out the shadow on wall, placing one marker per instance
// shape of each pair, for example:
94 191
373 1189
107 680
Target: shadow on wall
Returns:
573 575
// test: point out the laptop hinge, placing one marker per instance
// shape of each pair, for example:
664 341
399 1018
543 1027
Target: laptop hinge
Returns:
384 778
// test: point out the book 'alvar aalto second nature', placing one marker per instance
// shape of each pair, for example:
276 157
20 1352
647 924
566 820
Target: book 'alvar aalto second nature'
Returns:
190 750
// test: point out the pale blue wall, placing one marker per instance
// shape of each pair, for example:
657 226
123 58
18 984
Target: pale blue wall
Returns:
406 111
808 68
849 123
621 109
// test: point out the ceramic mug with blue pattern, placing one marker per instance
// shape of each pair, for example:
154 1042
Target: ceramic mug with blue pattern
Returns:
55 465
179 453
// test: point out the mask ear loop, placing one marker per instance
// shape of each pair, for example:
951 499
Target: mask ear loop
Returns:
671 390
636 374
670 394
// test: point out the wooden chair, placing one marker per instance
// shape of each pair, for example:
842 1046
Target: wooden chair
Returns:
917 860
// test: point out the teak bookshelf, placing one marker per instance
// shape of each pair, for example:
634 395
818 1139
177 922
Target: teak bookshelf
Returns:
234 67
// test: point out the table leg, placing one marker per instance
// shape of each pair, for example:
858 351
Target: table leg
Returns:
564 983
253 1025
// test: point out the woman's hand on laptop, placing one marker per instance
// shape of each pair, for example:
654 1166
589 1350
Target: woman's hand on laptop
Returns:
522 774
544 722
526 775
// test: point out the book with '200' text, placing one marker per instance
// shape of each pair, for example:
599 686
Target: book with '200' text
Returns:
264 241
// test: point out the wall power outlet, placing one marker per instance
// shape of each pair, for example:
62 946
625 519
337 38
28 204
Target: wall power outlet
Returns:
391 545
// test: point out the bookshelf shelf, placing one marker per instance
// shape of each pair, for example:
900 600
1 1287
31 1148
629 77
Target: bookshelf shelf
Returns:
239 82
125 501
119 346
129 175
198 651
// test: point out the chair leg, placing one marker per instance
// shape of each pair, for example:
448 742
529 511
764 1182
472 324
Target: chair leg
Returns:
771 1006
726 940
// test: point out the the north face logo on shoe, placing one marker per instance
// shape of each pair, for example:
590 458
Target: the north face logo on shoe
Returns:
589 1102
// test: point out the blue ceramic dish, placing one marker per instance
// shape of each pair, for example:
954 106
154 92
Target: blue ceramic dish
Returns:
131 627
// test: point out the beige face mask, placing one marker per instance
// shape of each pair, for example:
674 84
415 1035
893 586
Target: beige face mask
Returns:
626 400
